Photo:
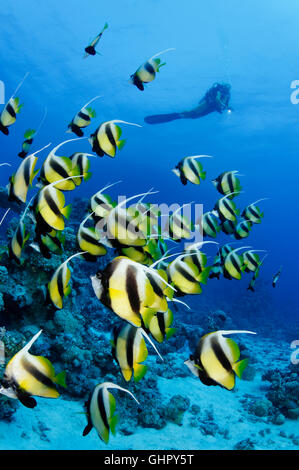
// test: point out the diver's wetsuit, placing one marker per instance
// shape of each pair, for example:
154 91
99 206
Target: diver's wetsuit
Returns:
216 99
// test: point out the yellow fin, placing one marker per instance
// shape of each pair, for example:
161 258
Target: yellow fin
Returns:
139 371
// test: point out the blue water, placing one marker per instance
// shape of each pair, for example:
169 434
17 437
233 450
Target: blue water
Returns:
251 45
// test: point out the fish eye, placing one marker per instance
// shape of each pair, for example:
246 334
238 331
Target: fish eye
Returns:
99 275
191 357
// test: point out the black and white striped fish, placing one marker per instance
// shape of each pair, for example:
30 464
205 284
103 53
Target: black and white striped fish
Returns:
189 169
216 359
130 289
27 375
210 225
100 409
22 179
82 118
228 183
106 139
129 350
226 208
253 213
59 285
147 71
234 264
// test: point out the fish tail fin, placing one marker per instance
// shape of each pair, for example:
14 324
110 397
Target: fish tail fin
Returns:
170 332
203 276
66 211
121 144
113 423
139 371
60 379
240 366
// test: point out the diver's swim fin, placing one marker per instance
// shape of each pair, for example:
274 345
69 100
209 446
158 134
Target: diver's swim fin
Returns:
160 118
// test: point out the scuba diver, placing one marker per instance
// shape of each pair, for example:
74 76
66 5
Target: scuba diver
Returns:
216 99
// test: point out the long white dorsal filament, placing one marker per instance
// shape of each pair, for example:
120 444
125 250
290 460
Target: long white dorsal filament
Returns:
124 122
2 220
91 101
162 52
41 123
150 341
52 153
20 84
40 150
73 256
179 302
28 345
200 156
112 385
259 200
234 332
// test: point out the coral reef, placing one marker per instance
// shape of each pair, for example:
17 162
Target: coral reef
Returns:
284 390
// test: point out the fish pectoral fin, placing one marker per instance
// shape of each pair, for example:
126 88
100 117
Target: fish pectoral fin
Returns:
26 400
112 424
240 366
139 371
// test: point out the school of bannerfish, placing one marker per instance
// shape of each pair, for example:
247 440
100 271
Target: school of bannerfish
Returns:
139 284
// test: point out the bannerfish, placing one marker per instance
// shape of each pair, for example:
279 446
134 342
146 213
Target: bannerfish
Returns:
234 264
147 71
256 273
209 225
101 204
82 118
50 209
186 276
242 229
88 239
19 238
216 359
9 113
179 225
160 326
48 243
226 208
29 135
81 162
100 409
130 289
60 169
106 139
59 286
21 180
228 184
26 376
228 226
124 228
129 351
189 169
252 260
253 213
216 269
90 49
